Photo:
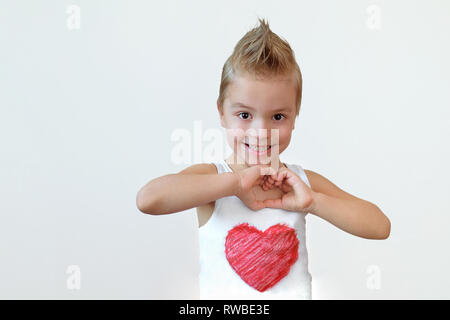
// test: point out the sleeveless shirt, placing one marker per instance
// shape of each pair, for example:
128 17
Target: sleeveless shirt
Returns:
247 254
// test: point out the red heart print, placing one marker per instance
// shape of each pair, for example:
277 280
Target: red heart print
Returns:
261 259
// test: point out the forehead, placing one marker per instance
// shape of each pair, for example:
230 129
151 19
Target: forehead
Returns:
269 94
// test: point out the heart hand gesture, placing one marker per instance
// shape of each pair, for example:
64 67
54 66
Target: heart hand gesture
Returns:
250 180
297 196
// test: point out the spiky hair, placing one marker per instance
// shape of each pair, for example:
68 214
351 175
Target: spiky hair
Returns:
261 54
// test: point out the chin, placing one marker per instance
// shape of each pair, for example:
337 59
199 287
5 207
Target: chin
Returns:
266 161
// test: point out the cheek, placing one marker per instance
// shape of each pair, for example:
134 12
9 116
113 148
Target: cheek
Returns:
284 136
285 140
234 135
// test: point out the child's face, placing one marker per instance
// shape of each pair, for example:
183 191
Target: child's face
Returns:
264 106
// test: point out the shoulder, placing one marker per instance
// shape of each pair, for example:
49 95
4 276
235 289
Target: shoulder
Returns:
200 168
321 184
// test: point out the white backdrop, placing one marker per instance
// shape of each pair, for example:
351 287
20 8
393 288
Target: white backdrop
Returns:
92 91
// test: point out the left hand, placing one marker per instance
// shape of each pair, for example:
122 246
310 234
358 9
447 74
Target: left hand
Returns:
297 196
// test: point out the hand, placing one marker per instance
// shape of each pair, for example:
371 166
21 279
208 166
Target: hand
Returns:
249 180
297 196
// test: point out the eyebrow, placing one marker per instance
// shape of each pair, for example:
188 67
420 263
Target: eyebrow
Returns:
241 105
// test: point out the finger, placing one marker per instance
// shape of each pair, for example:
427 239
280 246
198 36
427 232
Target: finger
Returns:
259 180
270 182
278 183
273 203
269 187
263 180
258 205
286 188
293 180
281 176
274 175
264 172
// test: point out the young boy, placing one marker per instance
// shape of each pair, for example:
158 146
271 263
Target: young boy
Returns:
251 207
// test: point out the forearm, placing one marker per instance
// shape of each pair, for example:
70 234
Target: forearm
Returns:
358 217
177 192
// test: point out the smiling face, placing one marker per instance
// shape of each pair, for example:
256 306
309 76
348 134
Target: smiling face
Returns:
254 111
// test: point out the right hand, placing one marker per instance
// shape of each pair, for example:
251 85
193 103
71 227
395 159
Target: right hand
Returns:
250 179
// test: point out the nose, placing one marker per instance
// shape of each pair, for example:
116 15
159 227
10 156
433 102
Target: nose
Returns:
261 123
260 131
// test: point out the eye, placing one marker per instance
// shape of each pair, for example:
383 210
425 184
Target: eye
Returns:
245 113
279 114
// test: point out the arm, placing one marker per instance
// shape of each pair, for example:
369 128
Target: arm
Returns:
347 212
192 187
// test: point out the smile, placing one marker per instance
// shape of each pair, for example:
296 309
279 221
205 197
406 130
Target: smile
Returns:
259 150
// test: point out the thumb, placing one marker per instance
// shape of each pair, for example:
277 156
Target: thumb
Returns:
293 180
256 174
273 203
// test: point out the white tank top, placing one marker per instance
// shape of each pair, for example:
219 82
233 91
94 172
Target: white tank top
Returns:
241 258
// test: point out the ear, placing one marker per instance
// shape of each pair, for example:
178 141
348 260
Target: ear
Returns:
220 114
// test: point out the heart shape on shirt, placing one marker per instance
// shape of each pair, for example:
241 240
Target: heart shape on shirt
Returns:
261 259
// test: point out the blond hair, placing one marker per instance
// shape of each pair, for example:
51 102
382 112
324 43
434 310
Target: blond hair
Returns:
260 53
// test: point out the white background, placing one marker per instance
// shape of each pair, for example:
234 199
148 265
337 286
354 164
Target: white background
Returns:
87 117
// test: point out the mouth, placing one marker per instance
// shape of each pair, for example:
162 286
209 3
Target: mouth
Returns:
258 150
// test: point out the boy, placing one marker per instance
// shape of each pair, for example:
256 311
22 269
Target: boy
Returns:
251 214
